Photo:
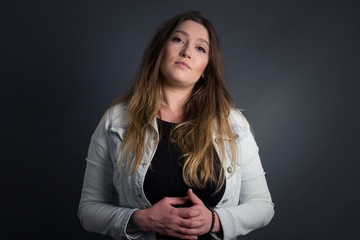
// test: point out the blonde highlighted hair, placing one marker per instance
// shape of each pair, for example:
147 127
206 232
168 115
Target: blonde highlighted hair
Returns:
206 111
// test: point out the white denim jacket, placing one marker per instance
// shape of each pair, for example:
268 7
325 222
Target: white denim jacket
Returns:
109 197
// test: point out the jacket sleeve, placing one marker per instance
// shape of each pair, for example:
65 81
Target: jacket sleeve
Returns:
255 208
98 210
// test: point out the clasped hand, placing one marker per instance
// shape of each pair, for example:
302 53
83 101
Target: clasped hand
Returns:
184 223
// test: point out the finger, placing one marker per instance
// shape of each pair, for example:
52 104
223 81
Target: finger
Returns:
192 223
190 231
193 198
200 219
182 236
188 212
176 200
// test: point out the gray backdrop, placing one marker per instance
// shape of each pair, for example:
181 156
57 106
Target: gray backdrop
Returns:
292 66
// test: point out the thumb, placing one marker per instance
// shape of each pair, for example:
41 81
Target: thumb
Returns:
193 198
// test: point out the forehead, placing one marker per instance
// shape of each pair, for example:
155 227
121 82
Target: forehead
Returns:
193 29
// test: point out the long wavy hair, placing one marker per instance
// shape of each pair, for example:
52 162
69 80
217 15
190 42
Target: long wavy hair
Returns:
206 110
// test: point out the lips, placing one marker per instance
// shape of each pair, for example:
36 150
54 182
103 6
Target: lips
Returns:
182 64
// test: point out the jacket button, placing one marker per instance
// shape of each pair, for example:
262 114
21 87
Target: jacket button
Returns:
229 169
216 140
236 136
225 200
139 196
143 164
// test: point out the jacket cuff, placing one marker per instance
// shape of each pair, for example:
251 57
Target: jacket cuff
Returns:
227 224
123 221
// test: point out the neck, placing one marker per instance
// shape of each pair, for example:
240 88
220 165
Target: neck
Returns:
172 108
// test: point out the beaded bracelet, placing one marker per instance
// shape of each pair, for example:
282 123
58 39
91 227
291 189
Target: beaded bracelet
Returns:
213 220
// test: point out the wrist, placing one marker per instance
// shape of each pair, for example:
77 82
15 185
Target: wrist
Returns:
131 226
212 222
217 226
139 220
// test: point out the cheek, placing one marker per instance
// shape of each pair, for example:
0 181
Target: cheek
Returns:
165 56
164 60
170 51
203 64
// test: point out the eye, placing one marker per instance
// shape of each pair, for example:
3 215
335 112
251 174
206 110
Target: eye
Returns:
177 39
202 49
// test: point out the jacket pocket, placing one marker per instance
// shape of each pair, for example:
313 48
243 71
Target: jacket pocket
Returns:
117 135
238 132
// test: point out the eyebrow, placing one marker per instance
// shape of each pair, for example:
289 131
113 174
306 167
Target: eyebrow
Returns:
186 34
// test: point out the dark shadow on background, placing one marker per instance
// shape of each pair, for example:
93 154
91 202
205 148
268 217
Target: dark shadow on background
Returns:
293 66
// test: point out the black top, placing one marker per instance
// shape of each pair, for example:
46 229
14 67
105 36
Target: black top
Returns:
164 176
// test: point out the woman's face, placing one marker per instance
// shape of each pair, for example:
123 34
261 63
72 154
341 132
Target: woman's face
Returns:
186 55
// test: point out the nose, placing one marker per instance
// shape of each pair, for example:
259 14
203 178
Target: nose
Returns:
185 52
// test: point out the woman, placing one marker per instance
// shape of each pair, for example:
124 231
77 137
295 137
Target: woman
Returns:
172 158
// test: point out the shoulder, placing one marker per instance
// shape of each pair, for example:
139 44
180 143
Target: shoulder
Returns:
236 118
117 114
239 123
